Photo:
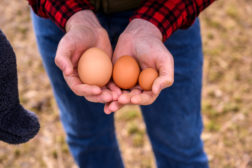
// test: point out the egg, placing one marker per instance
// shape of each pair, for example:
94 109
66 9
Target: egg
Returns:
146 78
95 67
126 71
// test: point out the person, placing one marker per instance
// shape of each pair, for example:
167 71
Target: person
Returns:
162 34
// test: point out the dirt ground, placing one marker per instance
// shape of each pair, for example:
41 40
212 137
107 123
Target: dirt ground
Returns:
226 106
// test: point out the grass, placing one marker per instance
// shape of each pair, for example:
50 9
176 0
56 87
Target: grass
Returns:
212 126
129 115
232 12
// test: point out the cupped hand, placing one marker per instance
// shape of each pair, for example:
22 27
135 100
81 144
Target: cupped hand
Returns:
83 31
143 41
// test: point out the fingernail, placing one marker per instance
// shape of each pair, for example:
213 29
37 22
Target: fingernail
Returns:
107 112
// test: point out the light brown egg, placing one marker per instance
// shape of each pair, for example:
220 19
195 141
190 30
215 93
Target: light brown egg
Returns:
95 67
126 71
146 78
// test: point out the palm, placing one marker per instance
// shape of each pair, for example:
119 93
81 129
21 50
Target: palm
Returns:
70 49
141 41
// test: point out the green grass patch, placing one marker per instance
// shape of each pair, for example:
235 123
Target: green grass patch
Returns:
134 129
129 115
209 110
212 126
231 107
138 140
232 12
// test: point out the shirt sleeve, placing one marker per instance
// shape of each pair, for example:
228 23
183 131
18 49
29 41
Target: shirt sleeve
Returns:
170 15
59 10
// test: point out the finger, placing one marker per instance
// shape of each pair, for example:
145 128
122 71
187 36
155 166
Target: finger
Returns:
160 83
79 88
106 108
116 91
126 96
114 106
63 55
86 90
123 47
105 43
145 98
166 75
104 97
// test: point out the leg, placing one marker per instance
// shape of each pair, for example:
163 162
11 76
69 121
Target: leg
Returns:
174 122
90 133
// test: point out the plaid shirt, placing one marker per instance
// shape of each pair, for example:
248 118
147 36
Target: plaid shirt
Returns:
167 15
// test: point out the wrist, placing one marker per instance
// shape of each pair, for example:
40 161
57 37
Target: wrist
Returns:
84 18
141 27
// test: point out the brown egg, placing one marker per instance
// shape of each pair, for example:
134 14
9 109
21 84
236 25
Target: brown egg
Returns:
146 78
126 71
95 67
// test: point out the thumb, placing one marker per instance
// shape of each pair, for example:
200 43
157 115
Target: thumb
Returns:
62 58
161 82
105 43
123 47
166 76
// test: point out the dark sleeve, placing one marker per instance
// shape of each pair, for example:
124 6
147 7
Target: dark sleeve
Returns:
170 15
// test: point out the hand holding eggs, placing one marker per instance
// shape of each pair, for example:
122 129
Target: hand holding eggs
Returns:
95 68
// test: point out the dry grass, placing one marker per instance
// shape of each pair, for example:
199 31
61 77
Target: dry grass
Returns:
226 106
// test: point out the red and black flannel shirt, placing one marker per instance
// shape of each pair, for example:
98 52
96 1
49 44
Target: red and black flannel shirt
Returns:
167 15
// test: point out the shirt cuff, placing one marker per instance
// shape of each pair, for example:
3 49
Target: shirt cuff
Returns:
170 15
59 11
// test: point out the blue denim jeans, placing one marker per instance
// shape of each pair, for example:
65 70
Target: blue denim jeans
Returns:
174 122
